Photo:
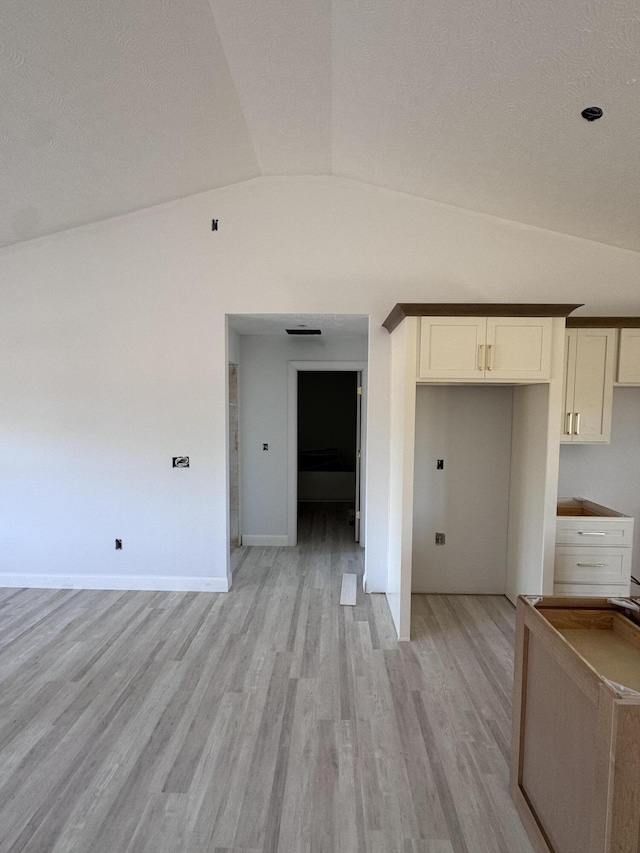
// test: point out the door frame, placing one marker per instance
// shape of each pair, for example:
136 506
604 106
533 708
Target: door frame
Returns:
292 428
233 460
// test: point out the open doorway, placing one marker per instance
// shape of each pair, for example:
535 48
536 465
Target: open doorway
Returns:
328 436
268 357
358 371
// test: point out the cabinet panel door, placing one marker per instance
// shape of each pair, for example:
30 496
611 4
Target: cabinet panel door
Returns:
568 384
519 347
595 532
450 347
629 358
593 390
592 565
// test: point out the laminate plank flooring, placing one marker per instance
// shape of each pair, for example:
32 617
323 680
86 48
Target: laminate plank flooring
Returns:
266 719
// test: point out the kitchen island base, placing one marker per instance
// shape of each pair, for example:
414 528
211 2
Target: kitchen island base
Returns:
575 763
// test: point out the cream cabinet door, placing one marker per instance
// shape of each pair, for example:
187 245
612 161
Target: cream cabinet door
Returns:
494 348
593 565
629 357
519 348
452 347
568 385
589 372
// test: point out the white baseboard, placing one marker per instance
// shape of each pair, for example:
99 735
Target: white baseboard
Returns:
278 541
144 582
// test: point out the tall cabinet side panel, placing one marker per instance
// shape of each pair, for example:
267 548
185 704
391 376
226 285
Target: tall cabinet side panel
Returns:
533 489
402 437
525 547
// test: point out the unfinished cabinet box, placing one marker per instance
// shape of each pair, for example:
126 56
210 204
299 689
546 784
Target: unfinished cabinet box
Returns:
575 760
594 551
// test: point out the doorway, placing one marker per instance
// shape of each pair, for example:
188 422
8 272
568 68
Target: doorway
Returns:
326 429
328 443
234 470
269 349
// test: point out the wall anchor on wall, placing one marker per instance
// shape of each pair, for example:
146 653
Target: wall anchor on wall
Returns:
214 224
118 544
180 461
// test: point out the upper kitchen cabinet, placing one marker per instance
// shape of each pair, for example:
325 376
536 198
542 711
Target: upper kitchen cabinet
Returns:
512 349
588 385
629 357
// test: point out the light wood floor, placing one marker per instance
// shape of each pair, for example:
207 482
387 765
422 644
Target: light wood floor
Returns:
267 719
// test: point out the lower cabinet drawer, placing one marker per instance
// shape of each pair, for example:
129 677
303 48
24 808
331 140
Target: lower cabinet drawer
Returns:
600 532
592 565
602 589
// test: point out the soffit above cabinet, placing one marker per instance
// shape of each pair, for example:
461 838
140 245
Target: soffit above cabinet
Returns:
474 309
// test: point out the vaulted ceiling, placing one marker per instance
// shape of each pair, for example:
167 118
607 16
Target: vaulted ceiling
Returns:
110 106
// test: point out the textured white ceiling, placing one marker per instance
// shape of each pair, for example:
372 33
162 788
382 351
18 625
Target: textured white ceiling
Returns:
109 107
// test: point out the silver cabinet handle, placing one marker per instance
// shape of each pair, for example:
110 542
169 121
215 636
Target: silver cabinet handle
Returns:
592 565
490 357
481 357
569 423
577 430
591 533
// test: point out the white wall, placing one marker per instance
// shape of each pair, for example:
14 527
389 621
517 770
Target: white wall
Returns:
469 428
113 355
609 474
263 397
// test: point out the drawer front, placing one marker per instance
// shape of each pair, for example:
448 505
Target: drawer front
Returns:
597 590
612 532
593 565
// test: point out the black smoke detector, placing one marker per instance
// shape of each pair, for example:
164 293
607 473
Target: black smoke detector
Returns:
591 113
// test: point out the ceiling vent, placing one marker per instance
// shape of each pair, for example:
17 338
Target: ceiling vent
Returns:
304 332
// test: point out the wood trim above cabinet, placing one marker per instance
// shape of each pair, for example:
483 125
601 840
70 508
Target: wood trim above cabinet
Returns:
603 322
628 357
474 309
